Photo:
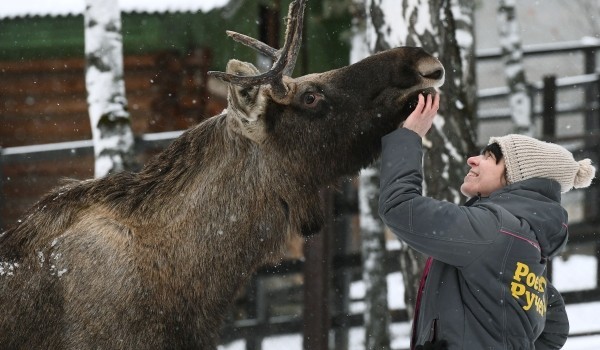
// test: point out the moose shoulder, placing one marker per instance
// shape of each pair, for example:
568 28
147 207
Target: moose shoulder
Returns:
153 259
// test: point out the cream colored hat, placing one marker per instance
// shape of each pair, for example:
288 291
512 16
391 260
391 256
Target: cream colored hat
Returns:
526 157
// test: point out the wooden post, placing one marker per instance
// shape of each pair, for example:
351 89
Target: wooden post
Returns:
549 123
592 125
592 121
196 63
317 277
549 111
597 246
268 30
257 309
346 207
591 199
166 110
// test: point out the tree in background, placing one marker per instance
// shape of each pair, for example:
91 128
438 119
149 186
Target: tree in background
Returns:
107 105
445 29
376 317
373 251
512 55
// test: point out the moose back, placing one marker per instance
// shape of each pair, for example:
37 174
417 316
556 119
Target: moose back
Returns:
153 259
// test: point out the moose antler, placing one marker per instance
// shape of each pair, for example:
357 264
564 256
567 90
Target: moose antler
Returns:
284 58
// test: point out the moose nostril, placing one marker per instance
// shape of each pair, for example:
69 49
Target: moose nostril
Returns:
435 75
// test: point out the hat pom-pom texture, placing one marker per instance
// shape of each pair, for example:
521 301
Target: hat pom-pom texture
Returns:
585 174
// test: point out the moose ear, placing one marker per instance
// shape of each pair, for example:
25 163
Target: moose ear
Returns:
246 104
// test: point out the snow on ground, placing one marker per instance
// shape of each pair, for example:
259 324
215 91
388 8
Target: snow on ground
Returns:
578 272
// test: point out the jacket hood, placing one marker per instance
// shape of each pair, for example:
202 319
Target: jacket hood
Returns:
537 202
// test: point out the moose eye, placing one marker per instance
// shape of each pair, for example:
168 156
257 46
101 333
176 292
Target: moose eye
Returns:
310 99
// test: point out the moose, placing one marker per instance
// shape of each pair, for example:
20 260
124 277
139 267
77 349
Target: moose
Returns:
153 259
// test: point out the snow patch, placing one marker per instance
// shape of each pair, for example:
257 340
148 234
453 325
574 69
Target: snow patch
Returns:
590 40
369 221
41 258
567 274
397 32
358 45
8 268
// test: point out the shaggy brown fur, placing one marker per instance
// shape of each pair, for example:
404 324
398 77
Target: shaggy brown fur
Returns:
151 260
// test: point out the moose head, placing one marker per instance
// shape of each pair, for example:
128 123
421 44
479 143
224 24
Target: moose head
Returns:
153 259
323 116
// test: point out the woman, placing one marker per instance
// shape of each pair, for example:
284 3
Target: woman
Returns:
485 285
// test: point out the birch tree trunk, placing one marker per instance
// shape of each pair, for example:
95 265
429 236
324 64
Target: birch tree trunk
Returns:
377 315
445 29
107 105
373 250
512 54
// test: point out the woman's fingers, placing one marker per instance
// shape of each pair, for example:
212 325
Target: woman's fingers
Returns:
431 105
421 119
420 104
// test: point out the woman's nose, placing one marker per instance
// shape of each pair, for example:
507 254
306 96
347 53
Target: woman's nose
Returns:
472 161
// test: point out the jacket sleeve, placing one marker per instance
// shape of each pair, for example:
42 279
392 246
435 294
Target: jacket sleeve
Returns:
454 234
556 329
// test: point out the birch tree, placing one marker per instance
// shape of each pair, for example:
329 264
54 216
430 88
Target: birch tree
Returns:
107 105
512 55
373 251
376 317
445 29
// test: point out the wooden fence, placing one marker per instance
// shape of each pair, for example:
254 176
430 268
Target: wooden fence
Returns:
44 102
310 296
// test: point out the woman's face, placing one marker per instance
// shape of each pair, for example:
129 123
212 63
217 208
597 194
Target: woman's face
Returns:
484 177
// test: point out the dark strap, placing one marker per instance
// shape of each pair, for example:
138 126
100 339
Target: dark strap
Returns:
413 338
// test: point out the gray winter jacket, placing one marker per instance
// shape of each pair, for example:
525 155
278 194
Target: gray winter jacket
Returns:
486 287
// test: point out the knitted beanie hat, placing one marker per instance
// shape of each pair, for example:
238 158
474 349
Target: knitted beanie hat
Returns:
526 157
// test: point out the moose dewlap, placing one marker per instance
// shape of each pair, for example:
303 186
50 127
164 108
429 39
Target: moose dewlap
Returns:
153 259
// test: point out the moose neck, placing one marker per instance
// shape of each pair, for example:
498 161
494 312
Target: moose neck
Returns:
189 178
188 184
214 213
